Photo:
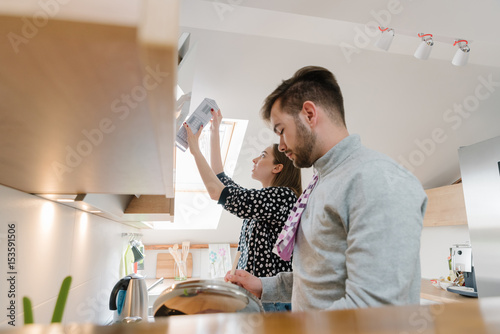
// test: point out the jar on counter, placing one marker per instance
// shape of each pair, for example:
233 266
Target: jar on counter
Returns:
180 271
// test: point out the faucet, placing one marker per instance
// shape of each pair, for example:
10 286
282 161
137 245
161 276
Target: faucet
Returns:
156 283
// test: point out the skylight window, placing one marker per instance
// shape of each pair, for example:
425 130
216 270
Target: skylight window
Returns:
187 178
193 207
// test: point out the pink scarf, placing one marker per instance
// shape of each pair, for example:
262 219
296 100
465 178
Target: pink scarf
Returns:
286 239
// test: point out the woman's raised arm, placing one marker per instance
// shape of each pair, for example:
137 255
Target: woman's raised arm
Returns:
212 183
215 155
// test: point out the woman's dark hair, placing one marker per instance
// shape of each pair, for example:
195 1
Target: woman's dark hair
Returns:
289 176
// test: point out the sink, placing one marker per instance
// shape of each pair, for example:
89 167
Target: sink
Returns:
151 300
155 288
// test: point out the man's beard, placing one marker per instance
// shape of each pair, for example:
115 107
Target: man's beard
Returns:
306 141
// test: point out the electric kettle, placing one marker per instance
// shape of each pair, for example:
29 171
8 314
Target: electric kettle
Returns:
129 299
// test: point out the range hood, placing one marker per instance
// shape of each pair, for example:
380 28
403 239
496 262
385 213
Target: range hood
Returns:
89 107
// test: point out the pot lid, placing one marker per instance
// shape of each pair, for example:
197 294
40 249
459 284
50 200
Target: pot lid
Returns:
205 296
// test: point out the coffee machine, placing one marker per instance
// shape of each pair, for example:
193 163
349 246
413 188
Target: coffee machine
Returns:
463 264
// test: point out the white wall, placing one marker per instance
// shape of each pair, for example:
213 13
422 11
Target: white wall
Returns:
435 246
227 231
53 241
200 262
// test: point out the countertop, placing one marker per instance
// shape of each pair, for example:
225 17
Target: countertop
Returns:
471 316
430 292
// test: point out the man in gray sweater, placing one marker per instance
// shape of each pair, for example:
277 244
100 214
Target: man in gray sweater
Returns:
355 233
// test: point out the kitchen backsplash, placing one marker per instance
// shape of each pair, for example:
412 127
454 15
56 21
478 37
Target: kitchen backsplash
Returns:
53 241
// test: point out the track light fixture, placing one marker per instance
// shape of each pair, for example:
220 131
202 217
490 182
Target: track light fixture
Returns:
462 55
425 47
385 40
427 42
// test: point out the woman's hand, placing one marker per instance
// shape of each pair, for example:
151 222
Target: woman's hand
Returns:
192 139
216 120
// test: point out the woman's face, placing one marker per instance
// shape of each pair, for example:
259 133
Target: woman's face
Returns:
263 166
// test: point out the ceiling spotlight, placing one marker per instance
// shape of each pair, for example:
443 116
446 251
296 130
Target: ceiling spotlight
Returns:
386 39
425 47
462 55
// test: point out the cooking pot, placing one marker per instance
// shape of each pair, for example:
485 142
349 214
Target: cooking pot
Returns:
205 296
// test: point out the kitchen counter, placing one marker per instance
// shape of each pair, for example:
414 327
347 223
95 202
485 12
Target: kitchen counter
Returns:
473 315
430 292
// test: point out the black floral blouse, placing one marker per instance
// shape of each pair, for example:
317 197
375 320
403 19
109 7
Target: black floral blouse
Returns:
265 212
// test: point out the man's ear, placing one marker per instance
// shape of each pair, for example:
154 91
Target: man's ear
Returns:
277 168
310 113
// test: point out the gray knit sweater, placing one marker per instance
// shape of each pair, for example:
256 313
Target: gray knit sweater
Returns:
358 242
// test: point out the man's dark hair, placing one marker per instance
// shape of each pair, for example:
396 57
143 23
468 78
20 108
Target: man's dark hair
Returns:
310 83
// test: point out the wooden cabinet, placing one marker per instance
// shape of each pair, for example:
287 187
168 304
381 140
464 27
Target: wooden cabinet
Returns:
88 97
445 206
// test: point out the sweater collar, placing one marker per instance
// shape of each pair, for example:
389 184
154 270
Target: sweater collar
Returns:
337 154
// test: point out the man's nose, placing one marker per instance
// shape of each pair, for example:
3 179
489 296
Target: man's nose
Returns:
282 146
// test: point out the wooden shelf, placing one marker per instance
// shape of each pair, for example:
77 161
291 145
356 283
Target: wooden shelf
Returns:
166 247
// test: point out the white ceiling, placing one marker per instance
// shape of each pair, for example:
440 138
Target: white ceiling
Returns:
395 102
